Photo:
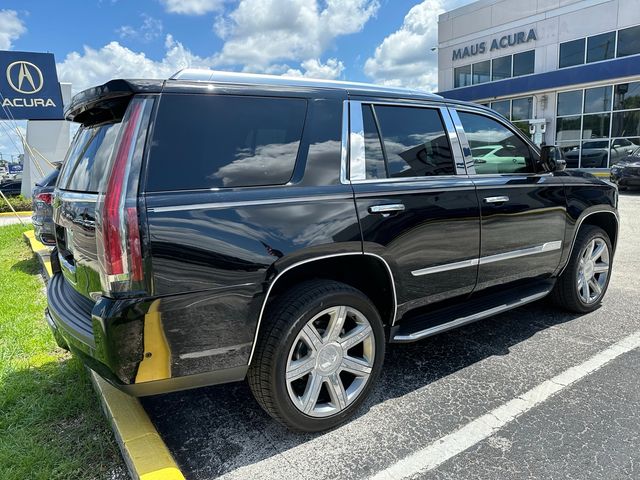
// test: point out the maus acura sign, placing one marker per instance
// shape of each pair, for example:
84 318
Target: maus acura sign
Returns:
497 43
29 88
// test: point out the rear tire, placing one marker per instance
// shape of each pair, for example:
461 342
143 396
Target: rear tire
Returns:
585 280
319 353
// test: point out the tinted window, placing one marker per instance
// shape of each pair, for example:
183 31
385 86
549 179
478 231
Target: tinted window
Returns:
374 158
572 53
501 68
596 126
597 99
50 179
601 47
524 63
568 128
522 108
224 141
626 124
85 169
510 153
462 76
570 103
627 96
482 72
629 41
503 107
415 141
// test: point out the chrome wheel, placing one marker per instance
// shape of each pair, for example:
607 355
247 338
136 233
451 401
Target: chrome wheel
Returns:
593 270
330 361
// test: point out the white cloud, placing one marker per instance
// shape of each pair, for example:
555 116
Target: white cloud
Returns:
149 30
11 28
96 66
314 68
192 7
259 33
404 58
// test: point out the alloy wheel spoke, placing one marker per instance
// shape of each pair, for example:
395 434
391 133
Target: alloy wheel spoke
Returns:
601 268
311 337
589 250
299 368
311 393
595 286
597 252
336 391
336 323
355 336
356 366
580 282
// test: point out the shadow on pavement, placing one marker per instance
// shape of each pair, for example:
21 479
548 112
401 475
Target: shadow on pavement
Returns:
215 430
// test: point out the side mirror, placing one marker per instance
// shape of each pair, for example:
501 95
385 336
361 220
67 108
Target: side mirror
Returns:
551 159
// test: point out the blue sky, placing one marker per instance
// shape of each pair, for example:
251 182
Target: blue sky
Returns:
381 41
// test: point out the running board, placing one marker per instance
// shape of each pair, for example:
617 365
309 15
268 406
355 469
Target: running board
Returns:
445 319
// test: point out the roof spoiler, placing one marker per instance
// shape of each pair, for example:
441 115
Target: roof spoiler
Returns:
107 102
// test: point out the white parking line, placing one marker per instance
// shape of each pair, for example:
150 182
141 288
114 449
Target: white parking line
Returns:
483 427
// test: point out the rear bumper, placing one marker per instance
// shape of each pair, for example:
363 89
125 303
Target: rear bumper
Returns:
109 337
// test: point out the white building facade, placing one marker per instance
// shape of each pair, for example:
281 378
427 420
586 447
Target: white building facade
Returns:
565 71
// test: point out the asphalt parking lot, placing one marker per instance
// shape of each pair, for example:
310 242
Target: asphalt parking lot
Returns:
425 418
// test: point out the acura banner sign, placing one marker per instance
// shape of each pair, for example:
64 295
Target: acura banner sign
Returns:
29 88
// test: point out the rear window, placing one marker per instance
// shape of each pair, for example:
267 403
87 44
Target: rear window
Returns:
50 179
84 169
202 142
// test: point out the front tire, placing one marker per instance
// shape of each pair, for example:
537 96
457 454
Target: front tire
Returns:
585 280
318 355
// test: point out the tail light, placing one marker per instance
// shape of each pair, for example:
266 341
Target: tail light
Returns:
117 217
45 197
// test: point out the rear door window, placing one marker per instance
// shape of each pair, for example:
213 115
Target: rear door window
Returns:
414 142
213 141
85 167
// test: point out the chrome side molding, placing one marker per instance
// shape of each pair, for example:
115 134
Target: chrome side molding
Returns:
545 247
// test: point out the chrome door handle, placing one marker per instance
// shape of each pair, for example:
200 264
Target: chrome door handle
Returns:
498 199
387 209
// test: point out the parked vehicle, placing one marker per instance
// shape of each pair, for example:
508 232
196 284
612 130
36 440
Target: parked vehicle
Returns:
215 226
597 154
11 187
626 172
42 216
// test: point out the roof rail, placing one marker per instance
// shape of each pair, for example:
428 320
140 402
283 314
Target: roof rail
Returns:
217 76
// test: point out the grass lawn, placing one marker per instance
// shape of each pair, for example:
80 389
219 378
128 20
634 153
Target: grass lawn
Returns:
51 425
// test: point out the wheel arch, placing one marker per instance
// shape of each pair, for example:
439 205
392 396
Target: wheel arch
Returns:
367 272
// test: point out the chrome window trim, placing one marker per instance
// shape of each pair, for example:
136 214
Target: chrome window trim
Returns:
344 147
323 257
579 224
522 252
248 203
357 169
464 143
357 166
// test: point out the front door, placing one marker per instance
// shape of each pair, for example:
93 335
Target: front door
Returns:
523 213
417 207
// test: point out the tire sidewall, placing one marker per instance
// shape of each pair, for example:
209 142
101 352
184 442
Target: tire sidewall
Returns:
286 406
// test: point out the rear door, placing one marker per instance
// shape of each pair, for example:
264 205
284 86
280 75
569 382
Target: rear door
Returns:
417 207
523 212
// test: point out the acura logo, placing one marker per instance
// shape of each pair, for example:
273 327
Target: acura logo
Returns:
24 77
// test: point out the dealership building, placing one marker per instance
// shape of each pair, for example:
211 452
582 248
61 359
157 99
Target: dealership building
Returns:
567 72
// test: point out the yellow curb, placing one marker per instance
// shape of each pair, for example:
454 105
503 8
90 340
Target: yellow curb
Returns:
143 450
146 455
10 214
601 174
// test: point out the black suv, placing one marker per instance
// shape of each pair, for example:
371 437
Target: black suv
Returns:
214 227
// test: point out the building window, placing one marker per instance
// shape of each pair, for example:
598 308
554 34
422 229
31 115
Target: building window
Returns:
570 103
501 68
597 99
572 53
601 47
629 41
524 63
481 72
462 76
503 107
596 127
522 108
